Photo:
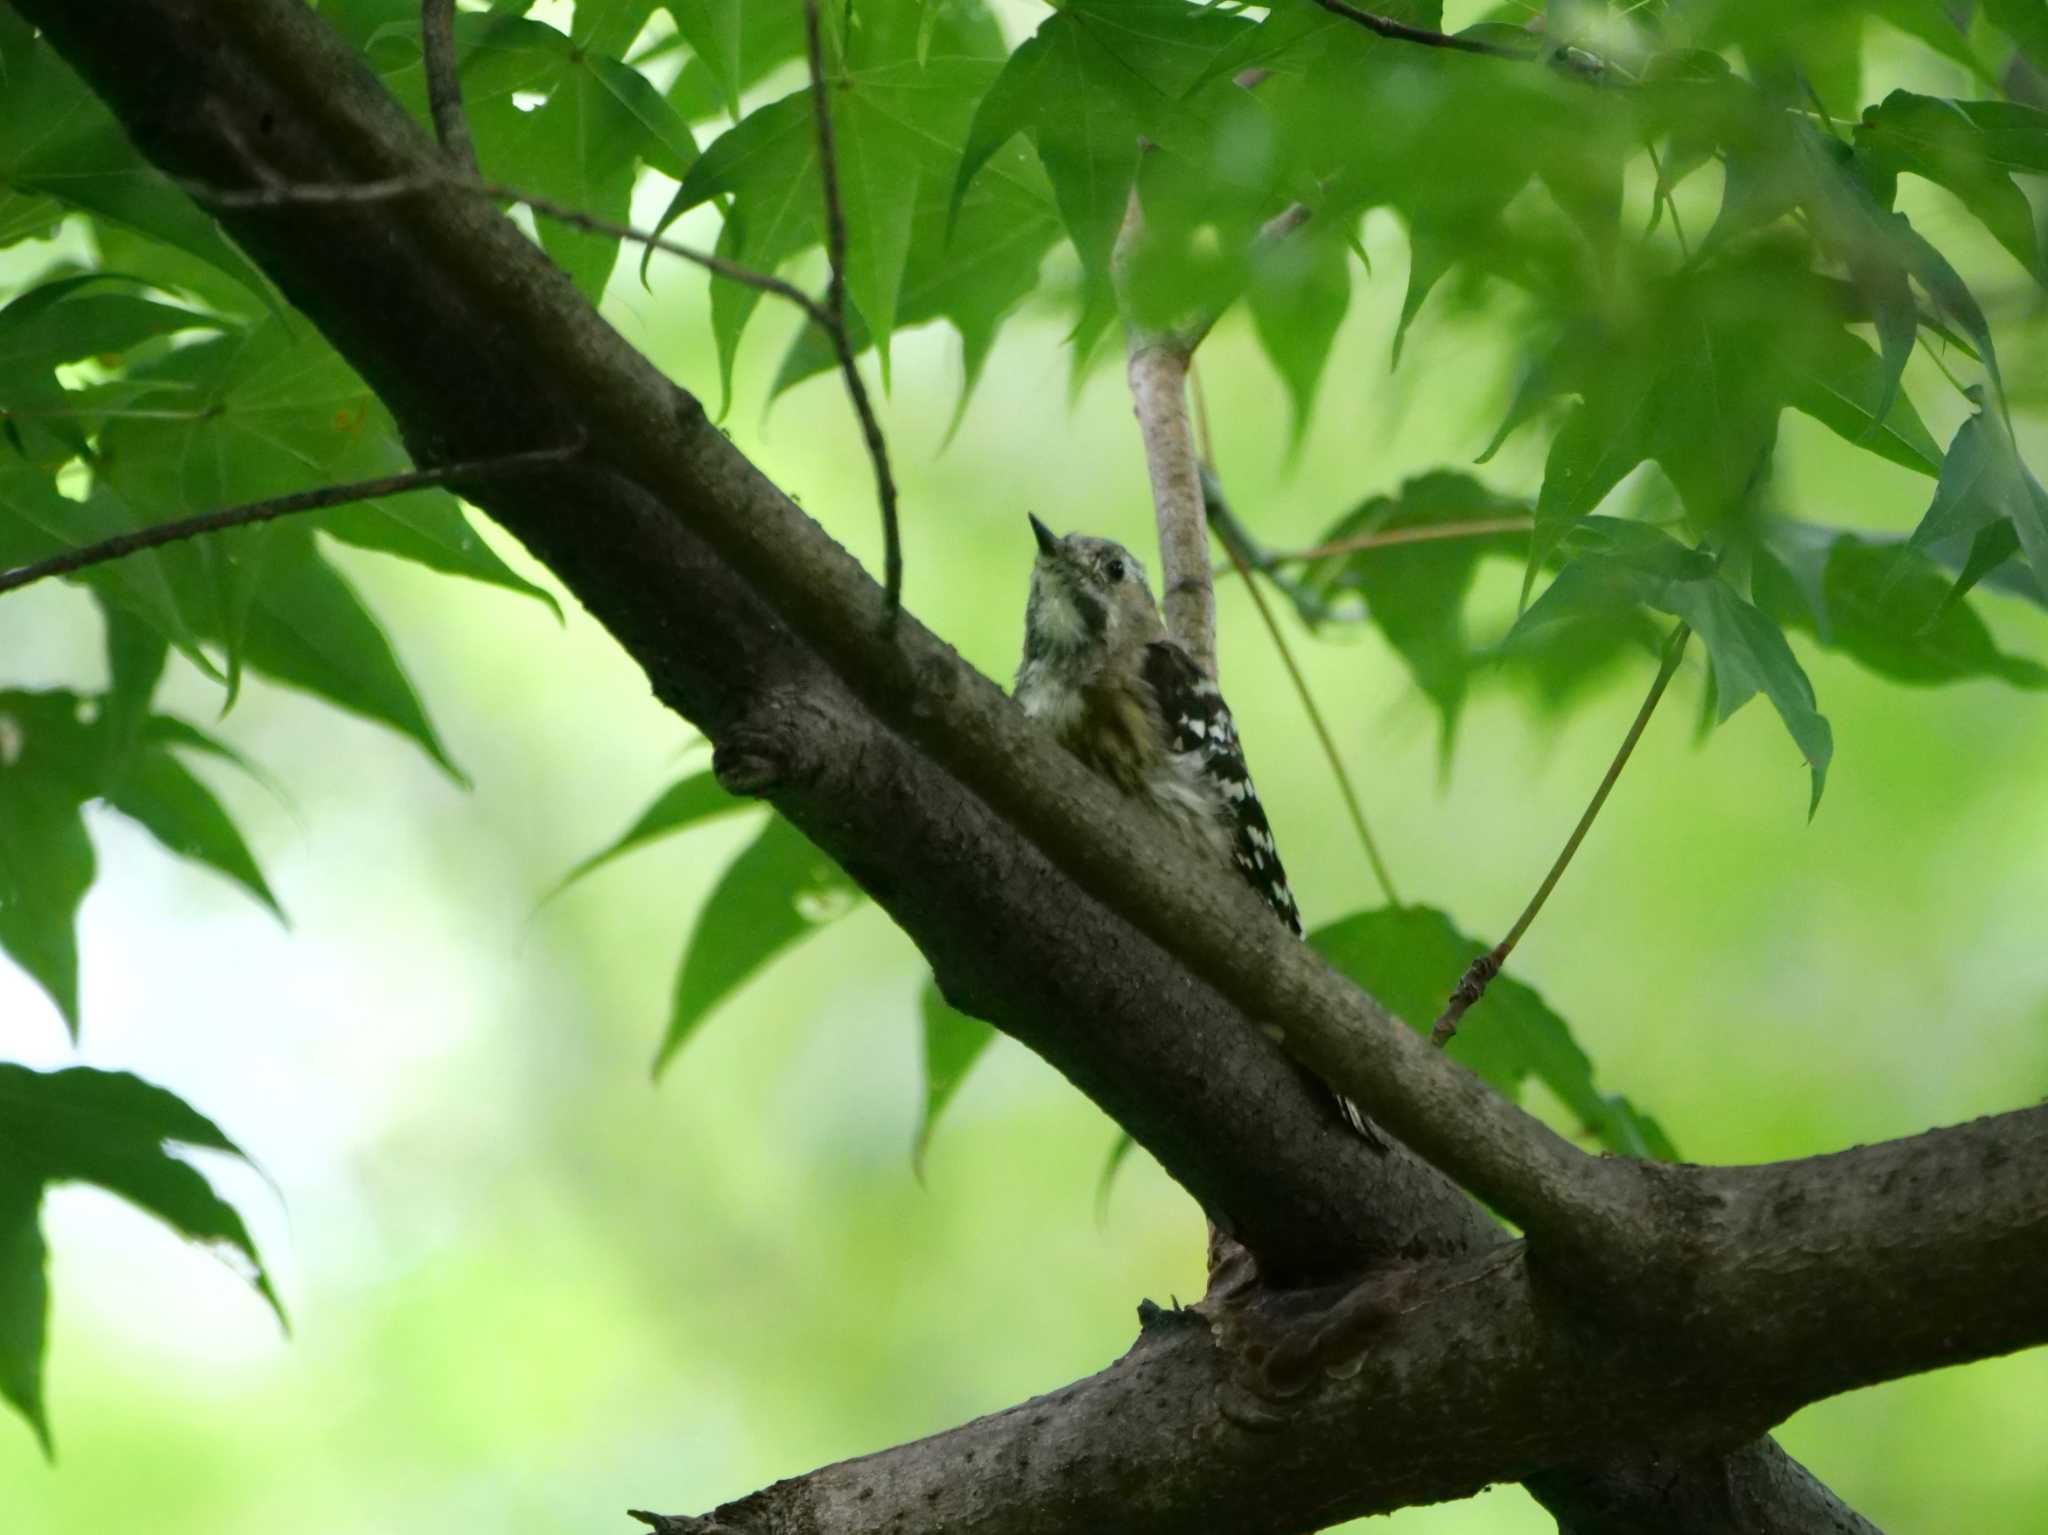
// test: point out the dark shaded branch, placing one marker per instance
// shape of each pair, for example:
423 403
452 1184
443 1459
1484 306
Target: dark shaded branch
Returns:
1472 985
829 317
318 499
444 82
835 306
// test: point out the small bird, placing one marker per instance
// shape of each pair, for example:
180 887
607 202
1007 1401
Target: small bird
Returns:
1102 674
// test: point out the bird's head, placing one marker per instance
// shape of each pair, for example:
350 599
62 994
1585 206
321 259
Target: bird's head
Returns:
1087 595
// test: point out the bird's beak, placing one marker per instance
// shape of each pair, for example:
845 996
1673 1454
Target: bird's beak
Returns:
1047 544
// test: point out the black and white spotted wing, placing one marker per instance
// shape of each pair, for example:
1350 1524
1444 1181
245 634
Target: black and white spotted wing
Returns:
1198 721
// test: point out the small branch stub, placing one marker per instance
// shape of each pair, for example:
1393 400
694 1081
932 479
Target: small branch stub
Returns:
1471 987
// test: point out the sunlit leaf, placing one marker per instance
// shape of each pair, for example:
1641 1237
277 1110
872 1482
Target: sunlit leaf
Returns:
1095 78
779 889
953 1042
158 791
1842 383
48 769
306 627
24 1300
58 142
118 1133
732 45
972 274
685 803
897 126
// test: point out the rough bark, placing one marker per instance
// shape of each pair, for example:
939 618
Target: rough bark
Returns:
994 852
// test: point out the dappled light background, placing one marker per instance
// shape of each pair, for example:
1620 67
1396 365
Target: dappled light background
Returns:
530 1285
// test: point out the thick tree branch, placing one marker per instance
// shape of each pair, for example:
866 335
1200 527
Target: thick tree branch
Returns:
733 601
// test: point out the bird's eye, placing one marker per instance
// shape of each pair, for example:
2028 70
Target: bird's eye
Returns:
1114 570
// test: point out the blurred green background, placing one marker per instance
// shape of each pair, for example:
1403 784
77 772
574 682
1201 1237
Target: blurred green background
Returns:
531 1287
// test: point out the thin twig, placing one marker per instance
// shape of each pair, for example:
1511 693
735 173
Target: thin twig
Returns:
444 83
1393 536
835 308
317 194
317 499
1401 31
1474 983
1308 703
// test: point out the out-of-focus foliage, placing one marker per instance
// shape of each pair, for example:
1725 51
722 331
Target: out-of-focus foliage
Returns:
1401 954
1683 222
117 1131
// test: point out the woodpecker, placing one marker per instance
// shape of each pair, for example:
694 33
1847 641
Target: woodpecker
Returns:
1101 672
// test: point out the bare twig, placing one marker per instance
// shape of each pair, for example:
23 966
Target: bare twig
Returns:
1214 490
315 194
1472 986
317 499
444 82
1401 31
1480 528
835 308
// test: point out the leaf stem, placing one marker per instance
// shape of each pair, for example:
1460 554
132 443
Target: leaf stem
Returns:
303 194
1472 986
317 499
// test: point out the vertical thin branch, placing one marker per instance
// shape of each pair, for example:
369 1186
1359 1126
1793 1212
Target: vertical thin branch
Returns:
444 82
1158 374
1472 986
835 307
251 513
